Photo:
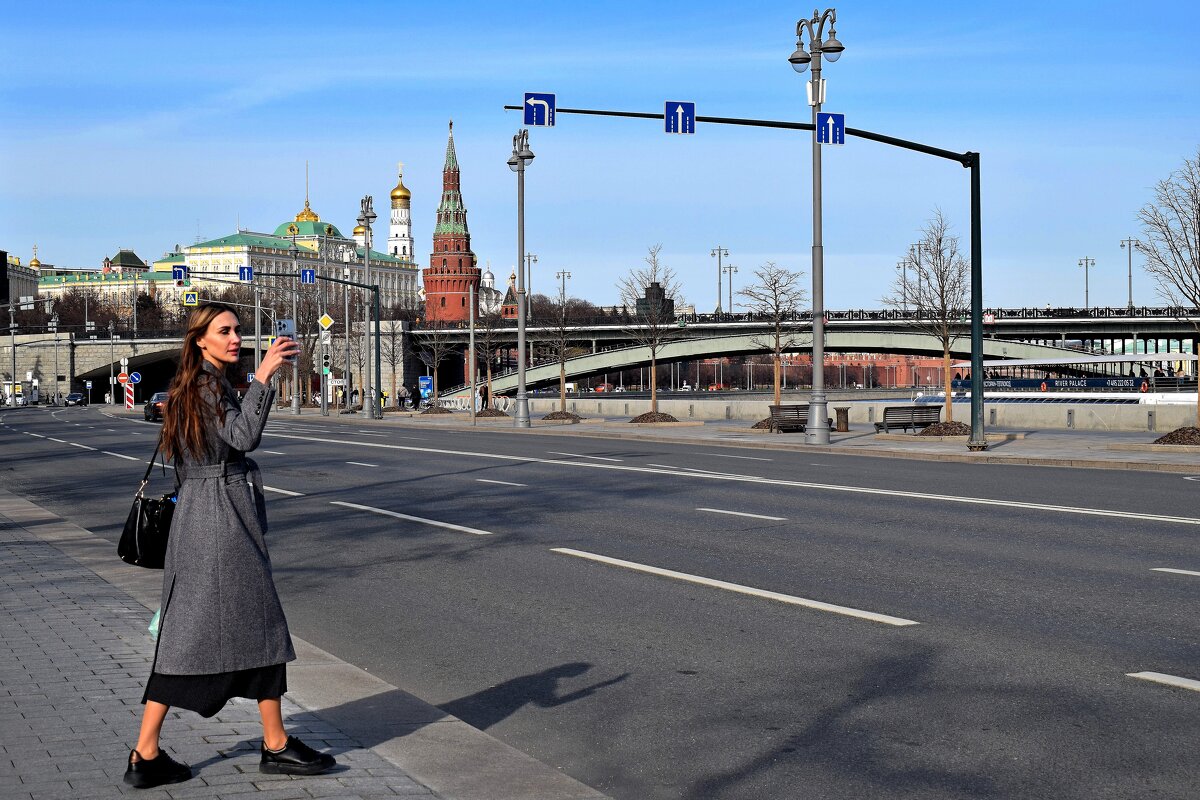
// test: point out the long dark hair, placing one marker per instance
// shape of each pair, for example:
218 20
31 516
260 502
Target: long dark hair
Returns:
186 410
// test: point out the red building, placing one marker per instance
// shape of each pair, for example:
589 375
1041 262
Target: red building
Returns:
452 272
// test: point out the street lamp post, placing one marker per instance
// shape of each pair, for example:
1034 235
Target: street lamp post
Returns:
730 270
521 156
54 330
366 218
914 255
1086 263
718 252
1129 245
818 45
294 252
12 334
349 329
112 383
530 260
902 265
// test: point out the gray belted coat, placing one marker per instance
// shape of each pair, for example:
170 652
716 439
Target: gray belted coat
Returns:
220 611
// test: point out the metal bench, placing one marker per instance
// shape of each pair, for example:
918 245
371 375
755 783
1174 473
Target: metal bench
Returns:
793 417
905 417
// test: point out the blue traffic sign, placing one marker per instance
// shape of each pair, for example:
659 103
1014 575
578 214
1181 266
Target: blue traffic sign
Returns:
245 274
135 377
831 128
308 276
179 273
679 117
539 109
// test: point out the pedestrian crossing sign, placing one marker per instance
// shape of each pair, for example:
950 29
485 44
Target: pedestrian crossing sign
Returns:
191 298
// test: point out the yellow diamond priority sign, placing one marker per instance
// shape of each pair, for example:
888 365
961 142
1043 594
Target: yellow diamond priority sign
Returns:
325 321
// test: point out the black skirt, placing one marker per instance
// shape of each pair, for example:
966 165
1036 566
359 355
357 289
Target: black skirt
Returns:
208 694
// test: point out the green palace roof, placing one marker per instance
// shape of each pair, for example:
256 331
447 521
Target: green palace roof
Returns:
242 239
309 229
95 278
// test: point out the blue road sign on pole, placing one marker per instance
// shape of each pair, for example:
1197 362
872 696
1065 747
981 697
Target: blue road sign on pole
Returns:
191 298
679 117
135 377
539 109
308 276
179 273
245 274
831 128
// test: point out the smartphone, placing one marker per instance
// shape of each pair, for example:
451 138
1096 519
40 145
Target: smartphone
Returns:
286 327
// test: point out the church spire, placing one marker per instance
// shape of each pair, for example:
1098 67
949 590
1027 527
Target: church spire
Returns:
451 156
307 215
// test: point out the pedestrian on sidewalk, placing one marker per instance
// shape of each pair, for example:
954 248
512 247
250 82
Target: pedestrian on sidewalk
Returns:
222 631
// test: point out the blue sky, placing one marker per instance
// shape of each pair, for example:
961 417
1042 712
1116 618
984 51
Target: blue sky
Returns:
143 125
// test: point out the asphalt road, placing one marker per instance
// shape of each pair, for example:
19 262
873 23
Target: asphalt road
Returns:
1034 590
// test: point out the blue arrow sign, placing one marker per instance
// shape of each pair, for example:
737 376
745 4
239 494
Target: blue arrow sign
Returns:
308 276
245 274
539 109
179 273
831 128
135 377
679 117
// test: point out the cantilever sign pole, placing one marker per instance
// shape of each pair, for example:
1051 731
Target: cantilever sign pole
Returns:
969 160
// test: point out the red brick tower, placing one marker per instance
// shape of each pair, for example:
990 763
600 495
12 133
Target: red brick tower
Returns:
452 271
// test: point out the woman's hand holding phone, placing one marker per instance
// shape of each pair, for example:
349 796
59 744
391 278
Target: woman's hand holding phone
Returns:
280 351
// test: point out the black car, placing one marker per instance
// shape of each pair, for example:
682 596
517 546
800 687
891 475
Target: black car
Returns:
154 407
75 399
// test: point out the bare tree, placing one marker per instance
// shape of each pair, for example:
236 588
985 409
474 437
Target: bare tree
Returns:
391 342
490 335
651 292
435 348
941 294
1171 227
777 296
559 325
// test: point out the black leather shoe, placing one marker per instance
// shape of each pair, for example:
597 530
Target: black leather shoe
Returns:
146 773
296 758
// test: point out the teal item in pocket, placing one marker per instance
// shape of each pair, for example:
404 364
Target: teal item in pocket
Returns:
154 624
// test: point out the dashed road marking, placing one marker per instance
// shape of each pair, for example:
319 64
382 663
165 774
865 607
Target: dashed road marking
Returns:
119 455
738 588
1166 680
435 523
742 514
584 455
361 464
726 455
1176 571
287 492
502 483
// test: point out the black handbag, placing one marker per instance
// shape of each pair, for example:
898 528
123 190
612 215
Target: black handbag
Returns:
144 539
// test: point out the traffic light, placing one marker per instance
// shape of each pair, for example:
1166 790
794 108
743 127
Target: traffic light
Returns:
326 363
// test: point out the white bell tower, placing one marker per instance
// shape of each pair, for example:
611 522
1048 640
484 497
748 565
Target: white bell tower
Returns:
400 239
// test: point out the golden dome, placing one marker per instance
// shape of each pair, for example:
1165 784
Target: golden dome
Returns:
401 196
307 215
359 230
33 262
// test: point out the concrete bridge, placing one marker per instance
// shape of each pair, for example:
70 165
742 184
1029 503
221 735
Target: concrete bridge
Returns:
81 360
614 360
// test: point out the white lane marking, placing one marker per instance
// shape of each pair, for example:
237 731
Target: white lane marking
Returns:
830 487
1176 571
370 433
282 491
502 483
1166 680
736 587
119 455
60 441
583 455
361 464
1191 477
741 514
84 446
38 435
435 523
662 466
111 430
726 455
273 452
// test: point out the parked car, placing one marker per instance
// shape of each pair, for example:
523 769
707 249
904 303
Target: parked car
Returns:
154 407
76 399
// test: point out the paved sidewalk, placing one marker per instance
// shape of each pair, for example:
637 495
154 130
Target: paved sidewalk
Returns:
74 656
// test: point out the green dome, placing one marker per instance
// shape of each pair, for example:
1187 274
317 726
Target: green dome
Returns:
307 228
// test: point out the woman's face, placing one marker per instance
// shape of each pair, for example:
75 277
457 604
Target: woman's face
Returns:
221 344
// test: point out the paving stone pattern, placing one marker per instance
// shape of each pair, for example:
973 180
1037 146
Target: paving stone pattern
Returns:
74 657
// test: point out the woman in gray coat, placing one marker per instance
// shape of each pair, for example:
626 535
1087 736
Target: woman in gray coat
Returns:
222 632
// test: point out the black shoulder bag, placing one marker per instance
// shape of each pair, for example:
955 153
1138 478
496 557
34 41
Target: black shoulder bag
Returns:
144 539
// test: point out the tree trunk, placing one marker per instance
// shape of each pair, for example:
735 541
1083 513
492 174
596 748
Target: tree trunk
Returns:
490 401
562 385
653 383
778 384
435 389
946 375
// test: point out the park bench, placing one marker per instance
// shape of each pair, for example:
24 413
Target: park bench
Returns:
792 417
905 417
